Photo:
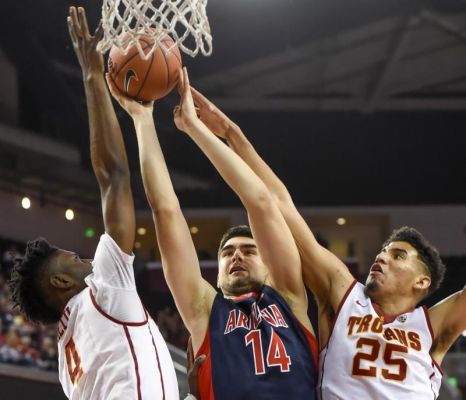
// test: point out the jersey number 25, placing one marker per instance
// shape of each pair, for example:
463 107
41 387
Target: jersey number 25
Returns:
374 346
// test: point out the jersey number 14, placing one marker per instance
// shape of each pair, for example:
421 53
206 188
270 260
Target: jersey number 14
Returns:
276 353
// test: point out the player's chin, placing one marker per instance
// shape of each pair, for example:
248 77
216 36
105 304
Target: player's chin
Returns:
372 284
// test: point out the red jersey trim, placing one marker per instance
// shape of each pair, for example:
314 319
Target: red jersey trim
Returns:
135 360
158 362
429 325
243 296
114 319
204 375
338 312
388 319
312 341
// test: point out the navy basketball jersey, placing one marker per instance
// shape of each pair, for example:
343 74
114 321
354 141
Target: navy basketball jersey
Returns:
257 349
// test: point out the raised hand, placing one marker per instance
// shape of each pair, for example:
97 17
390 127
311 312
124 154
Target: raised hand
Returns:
185 113
211 115
134 108
84 44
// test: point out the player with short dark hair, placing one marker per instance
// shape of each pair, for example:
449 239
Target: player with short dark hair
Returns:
375 342
239 230
428 254
31 297
109 347
255 334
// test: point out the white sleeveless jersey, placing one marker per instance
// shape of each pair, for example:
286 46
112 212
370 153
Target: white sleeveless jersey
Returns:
109 348
369 357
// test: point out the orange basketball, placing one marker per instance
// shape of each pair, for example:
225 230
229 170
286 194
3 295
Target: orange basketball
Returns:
145 80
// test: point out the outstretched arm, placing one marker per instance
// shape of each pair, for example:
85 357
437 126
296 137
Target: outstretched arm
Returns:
108 153
274 240
448 321
193 295
326 276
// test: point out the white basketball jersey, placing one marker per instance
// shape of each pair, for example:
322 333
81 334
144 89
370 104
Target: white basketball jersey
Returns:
370 357
109 348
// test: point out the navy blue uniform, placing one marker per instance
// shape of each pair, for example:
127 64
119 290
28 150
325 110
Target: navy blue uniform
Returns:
257 349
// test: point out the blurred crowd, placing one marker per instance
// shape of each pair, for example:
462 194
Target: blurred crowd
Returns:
171 327
22 342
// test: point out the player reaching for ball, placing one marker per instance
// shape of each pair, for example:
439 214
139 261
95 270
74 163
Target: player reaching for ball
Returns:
256 334
148 79
109 347
375 343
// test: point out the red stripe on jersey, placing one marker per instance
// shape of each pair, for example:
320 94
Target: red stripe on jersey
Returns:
342 301
429 325
158 363
204 374
312 340
243 296
388 319
114 319
136 366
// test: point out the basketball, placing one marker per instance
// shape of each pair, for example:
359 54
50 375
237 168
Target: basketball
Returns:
145 80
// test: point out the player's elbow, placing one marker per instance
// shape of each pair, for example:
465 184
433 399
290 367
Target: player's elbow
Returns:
258 200
115 180
110 167
166 213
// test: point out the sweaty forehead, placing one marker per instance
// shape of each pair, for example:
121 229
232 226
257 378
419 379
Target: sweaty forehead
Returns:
401 246
59 257
239 241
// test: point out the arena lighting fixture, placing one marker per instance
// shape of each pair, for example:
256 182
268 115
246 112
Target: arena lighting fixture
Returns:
89 233
69 214
341 221
194 230
142 231
26 203
137 245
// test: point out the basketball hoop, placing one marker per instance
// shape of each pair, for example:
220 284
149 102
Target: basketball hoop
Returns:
185 21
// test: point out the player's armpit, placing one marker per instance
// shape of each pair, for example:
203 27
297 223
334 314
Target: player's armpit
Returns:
448 321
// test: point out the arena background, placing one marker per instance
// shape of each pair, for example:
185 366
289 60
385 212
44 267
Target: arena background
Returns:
359 106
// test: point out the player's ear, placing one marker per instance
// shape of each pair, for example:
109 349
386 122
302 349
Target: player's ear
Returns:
422 282
61 281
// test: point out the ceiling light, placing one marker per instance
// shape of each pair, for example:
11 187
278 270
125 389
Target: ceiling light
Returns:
26 203
69 214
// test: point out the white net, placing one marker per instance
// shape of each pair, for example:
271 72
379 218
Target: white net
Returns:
185 21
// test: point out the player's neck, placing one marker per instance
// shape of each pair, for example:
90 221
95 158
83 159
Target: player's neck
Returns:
392 307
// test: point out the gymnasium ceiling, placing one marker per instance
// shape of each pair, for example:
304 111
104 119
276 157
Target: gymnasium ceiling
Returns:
351 102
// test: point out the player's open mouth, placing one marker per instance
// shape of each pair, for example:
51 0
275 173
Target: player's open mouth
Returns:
236 268
376 268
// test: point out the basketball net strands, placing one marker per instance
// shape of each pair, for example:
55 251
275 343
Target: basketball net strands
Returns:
185 21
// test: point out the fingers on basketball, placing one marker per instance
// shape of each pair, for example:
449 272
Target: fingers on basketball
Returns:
145 80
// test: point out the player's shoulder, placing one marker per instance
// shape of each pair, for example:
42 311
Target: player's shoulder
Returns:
107 247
